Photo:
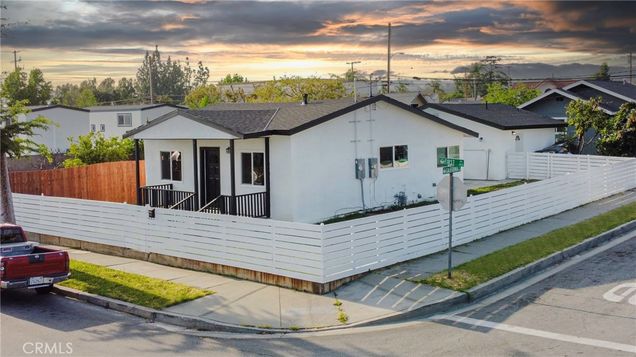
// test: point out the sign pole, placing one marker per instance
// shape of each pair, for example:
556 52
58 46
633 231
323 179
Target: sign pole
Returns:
450 226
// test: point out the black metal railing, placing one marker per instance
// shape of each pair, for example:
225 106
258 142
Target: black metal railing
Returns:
165 197
249 205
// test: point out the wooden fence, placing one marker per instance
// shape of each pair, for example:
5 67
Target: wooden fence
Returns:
109 181
318 253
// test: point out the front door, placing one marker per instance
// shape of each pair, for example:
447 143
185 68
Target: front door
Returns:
210 174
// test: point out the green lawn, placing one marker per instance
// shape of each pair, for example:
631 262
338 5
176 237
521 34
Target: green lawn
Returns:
486 189
133 288
475 272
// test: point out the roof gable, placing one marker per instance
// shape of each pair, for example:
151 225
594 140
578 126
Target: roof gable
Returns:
623 91
562 92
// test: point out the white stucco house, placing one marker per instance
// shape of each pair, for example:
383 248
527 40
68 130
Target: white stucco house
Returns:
295 161
115 120
66 122
502 128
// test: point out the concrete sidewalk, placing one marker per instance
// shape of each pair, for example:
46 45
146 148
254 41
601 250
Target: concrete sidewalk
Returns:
380 293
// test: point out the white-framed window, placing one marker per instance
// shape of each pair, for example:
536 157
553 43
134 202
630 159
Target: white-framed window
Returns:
102 127
394 156
93 128
124 119
253 168
451 152
170 165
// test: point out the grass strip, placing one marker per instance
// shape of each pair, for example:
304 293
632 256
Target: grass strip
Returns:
133 288
486 189
487 267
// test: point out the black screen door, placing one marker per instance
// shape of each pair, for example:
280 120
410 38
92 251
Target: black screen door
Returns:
210 173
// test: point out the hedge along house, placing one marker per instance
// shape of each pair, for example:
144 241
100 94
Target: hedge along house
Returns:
502 129
302 162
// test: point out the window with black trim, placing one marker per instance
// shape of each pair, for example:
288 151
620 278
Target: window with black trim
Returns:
124 119
394 156
102 127
253 168
170 165
451 152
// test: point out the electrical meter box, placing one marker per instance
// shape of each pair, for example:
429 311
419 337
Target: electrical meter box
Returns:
373 167
360 169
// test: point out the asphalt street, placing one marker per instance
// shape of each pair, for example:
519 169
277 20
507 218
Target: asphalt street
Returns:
588 308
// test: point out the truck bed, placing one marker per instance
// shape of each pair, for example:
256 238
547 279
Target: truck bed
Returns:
43 267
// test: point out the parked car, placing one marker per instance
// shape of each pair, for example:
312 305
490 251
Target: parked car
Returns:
24 264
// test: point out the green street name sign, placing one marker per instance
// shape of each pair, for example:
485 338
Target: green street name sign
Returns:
451 162
450 169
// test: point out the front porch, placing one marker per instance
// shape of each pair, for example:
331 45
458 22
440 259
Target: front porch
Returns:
214 172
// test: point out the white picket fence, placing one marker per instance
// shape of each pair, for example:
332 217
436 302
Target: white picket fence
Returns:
323 253
540 166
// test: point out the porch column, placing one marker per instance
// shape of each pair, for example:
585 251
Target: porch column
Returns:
137 178
196 173
268 205
232 179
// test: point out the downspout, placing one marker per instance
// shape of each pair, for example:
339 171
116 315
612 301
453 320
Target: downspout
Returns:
137 176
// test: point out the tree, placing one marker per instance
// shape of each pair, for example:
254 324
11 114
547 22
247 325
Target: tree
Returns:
478 75
32 87
584 115
105 91
603 72
619 137
170 79
201 96
93 148
125 91
15 141
233 79
290 89
515 96
66 94
86 98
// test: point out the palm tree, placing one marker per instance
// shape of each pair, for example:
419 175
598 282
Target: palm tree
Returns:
15 140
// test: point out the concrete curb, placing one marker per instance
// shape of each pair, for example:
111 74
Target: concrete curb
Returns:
443 305
492 286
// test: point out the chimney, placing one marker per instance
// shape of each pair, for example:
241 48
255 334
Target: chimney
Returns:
305 97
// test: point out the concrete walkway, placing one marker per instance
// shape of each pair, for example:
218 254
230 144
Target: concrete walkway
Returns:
379 293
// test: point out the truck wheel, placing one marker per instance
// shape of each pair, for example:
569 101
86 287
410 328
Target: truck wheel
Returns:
44 290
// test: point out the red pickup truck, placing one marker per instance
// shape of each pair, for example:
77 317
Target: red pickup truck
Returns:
23 264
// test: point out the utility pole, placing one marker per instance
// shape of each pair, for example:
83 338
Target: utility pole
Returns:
370 85
150 77
388 62
16 60
355 95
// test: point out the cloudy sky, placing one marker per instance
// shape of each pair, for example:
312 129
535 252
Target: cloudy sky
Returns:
73 40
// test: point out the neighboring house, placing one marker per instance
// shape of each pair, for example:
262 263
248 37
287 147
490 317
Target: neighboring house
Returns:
115 120
553 103
413 99
545 85
502 128
67 122
297 162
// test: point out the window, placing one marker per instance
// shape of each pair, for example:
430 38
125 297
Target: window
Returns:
171 165
451 152
394 156
124 119
102 127
93 128
253 168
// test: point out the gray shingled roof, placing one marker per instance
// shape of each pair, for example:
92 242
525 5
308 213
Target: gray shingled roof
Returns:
608 101
258 119
288 115
238 121
500 116
621 88
124 107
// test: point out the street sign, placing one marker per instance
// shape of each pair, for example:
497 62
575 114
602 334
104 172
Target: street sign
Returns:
446 161
459 193
450 169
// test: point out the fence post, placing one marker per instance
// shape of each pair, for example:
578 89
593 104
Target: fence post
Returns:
527 155
323 255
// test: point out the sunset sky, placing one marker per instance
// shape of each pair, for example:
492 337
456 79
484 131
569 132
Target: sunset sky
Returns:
73 40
